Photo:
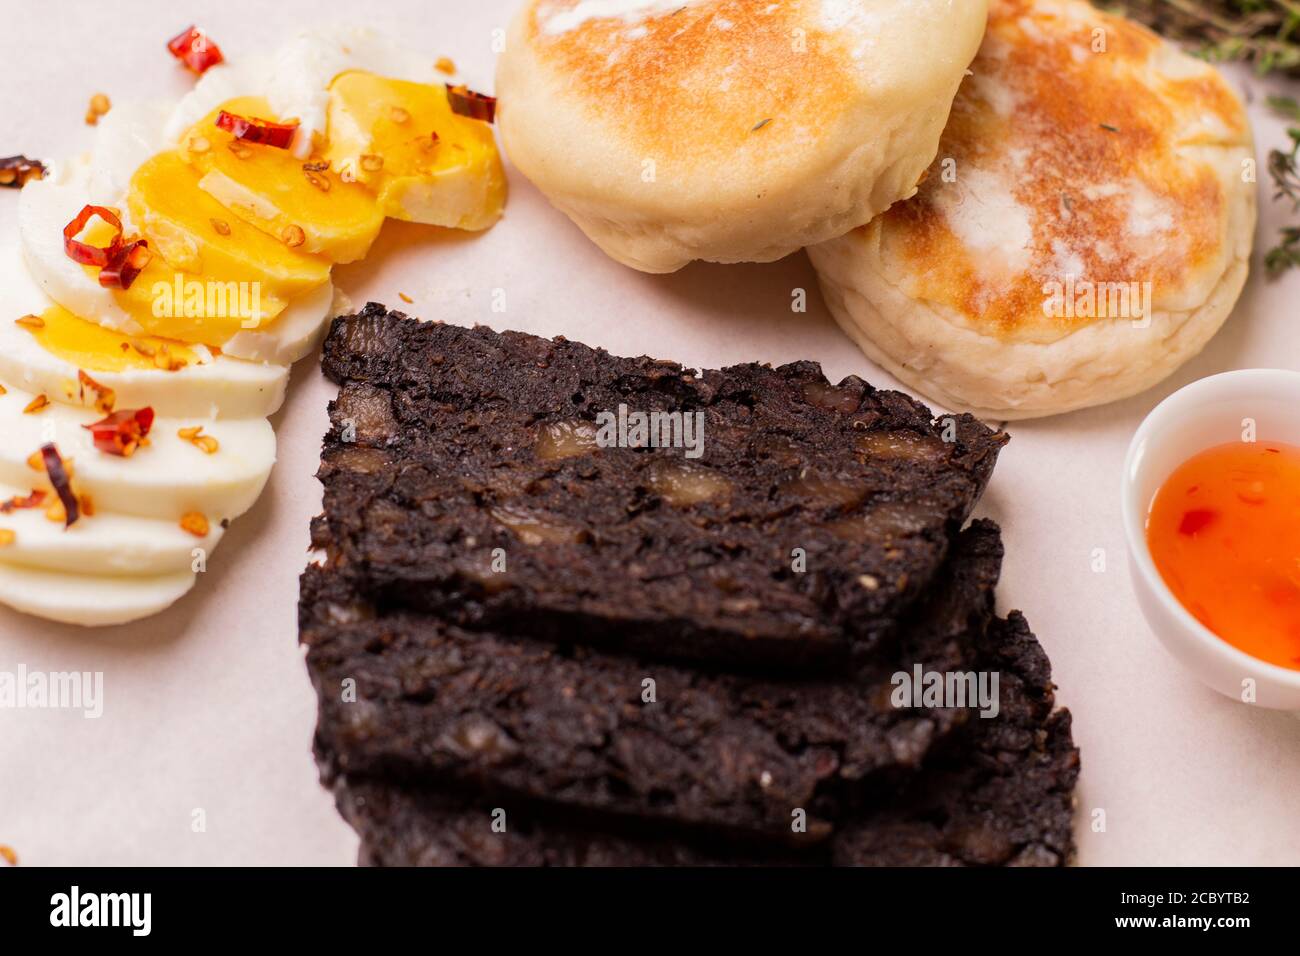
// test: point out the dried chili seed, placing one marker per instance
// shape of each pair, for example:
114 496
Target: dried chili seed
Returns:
293 236
194 48
316 166
18 171
317 180
399 115
466 102
99 106
121 433
37 404
221 227
9 856
32 322
405 298
87 505
195 523
105 397
7 537
445 65
3 390
194 435
35 462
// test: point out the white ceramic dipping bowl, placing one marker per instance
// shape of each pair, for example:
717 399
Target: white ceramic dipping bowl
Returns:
1204 414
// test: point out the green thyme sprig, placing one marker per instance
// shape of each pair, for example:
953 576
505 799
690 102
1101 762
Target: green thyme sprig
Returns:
1265 33
1286 181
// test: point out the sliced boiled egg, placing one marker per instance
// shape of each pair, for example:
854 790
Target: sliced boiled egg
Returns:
295 333
45 359
160 300
302 69
234 226
125 139
306 206
44 208
168 478
194 233
424 162
90 600
107 544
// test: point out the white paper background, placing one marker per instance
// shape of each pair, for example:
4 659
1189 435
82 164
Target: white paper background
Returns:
208 706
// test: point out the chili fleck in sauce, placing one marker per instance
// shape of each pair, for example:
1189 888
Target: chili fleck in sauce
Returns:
1224 532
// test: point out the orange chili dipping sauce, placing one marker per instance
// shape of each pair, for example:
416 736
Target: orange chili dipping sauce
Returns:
1224 531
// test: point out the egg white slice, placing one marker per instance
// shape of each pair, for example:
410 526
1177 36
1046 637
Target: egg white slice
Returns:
165 480
108 545
125 139
90 600
303 69
219 388
219 84
293 333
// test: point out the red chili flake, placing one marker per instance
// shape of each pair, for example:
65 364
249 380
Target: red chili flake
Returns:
121 432
84 252
125 263
256 131
466 102
119 262
62 484
193 48
16 503
1193 521
15 171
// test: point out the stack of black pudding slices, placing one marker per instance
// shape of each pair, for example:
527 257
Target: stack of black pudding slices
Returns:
542 634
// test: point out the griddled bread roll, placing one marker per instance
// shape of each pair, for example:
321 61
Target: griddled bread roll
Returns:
729 130
1085 230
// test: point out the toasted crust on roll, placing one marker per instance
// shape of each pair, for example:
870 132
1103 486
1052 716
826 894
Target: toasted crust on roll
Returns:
728 130
1086 228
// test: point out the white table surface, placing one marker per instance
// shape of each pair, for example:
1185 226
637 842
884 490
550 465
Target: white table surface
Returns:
208 705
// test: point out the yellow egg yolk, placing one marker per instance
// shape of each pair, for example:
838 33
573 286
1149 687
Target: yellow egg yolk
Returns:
305 207
196 234
97 349
424 162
